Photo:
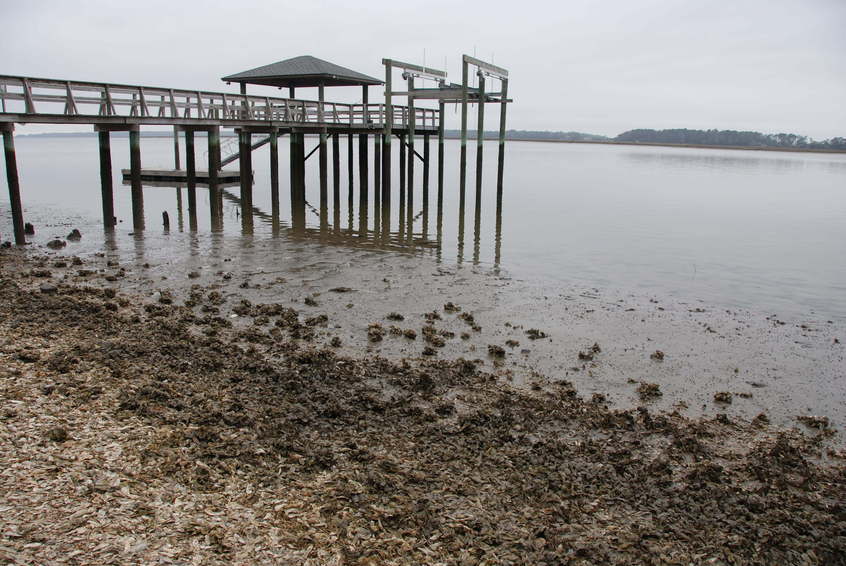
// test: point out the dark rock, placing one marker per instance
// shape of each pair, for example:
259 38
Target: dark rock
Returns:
75 235
29 229
49 289
56 244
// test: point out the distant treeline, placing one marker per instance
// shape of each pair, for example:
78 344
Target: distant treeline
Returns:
728 138
537 135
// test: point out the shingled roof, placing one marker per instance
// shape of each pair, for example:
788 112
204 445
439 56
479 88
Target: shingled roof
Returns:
303 71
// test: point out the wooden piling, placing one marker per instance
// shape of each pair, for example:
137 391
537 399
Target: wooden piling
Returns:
215 194
135 179
176 163
410 147
246 162
336 180
386 139
480 136
441 106
425 184
501 157
106 187
298 180
377 168
14 183
274 175
402 167
351 175
363 183
463 162
321 153
191 171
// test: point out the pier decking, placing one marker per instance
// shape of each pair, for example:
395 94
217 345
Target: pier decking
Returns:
110 107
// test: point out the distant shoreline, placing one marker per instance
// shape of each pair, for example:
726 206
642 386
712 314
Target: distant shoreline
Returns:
449 136
748 148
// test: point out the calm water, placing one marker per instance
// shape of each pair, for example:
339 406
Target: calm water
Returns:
762 230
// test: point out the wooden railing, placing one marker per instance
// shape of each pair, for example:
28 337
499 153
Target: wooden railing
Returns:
57 101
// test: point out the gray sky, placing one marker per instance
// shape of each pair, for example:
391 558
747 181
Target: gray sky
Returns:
593 66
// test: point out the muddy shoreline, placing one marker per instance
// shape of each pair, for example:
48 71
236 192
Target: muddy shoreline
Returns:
201 421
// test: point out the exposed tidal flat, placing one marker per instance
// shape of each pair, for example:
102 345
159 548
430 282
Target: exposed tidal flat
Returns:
313 398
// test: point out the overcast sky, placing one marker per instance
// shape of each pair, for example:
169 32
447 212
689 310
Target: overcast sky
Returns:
593 66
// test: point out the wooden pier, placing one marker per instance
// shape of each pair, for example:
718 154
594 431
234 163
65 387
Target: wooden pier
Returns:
120 107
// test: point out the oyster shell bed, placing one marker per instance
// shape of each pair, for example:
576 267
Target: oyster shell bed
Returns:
139 430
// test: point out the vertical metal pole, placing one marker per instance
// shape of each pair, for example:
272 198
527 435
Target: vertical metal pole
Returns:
215 195
386 138
106 188
274 175
191 171
135 176
501 158
321 153
14 183
463 163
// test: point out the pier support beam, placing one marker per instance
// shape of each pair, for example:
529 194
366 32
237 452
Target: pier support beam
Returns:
336 179
386 139
106 187
501 157
246 162
480 138
410 145
463 163
215 194
440 150
297 181
135 179
274 175
191 171
377 168
363 182
321 156
426 155
14 183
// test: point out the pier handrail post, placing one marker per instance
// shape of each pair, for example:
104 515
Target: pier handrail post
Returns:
324 183
14 183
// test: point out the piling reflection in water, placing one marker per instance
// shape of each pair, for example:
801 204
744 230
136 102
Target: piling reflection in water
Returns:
373 225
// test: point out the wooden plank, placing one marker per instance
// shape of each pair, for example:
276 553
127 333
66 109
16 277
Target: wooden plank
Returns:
417 69
489 68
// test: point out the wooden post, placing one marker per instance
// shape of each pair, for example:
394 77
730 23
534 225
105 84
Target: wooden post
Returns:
425 184
215 195
298 181
291 92
351 174
274 175
336 180
14 183
106 188
463 162
377 168
440 150
501 157
135 176
363 184
246 162
480 136
176 164
321 155
365 111
402 166
191 171
386 138
410 146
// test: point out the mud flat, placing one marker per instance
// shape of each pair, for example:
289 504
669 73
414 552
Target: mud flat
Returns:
390 411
